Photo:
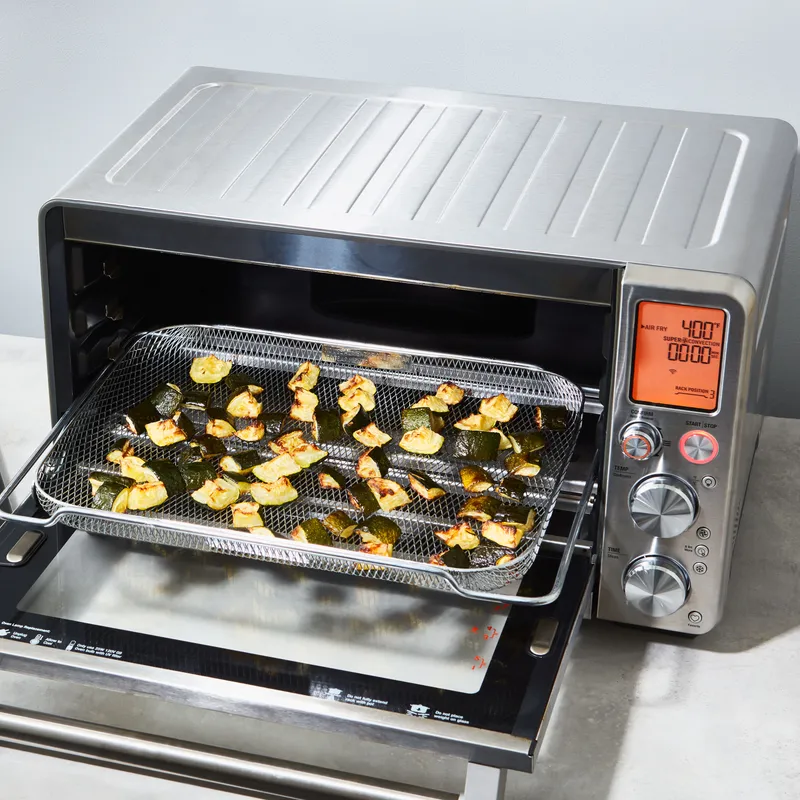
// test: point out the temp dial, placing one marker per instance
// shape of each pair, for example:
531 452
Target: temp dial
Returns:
655 585
640 441
663 505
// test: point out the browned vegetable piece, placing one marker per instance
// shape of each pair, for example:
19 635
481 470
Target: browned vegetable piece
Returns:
165 432
425 486
305 402
358 397
305 378
246 515
372 464
475 480
476 422
423 441
243 403
273 494
375 549
498 407
451 393
278 467
504 534
434 403
480 508
390 495
209 369
357 382
372 436
460 535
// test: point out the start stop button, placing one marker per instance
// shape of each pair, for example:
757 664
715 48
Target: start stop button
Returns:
699 447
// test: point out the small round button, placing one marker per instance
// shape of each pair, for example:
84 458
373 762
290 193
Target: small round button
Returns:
695 617
709 481
701 550
699 447
700 568
703 533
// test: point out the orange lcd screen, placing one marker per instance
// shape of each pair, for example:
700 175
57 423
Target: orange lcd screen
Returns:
677 356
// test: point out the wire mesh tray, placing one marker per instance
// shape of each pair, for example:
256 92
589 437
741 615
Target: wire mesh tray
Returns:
401 377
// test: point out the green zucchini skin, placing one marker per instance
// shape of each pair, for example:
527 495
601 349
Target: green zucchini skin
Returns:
383 529
185 424
217 412
525 464
456 558
196 473
330 478
527 441
413 418
476 445
511 488
327 427
249 429
314 532
487 556
235 380
339 524
519 516
379 458
166 399
273 421
240 463
208 446
424 485
551 418
110 477
363 499
481 508
168 474
107 495
141 415
360 419
196 399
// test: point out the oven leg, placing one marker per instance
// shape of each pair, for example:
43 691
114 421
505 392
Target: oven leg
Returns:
484 783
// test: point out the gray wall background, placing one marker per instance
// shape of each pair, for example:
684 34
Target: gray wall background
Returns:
74 73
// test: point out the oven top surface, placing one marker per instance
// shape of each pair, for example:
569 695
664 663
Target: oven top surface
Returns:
451 169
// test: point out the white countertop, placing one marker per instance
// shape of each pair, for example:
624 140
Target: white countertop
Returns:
639 715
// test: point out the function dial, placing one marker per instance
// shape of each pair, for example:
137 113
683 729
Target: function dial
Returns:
663 505
640 441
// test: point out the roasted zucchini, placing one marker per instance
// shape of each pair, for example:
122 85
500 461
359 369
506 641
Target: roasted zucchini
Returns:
273 422
209 369
551 418
119 450
326 426
527 441
312 531
304 404
499 408
97 479
196 399
511 488
502 533
134 468
278 467
423 441
526 465
372 436
143 496
432 402
482 509
140 416
424 485
363 499
220 423
249 429
476 445
236 380
391 495
196 473
375 549
519 516
243 403
168 474
111 496
374 463
357 398
475 480
461 535
242 481
505 442
208 446
489 556
475 422
277 493
185 424
379 529
330 478
306 377
357 382
241 463
339 525
354 420
304 453
265 533
451 393
217 494
246 515
413 418
166 399
455 558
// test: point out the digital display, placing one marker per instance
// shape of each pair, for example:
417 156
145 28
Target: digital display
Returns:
677 356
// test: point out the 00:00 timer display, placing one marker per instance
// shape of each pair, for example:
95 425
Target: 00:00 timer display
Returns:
694 353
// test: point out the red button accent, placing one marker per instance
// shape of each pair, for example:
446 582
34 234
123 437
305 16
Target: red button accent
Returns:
693 442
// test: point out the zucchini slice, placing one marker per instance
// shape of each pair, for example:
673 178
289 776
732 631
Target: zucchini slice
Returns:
372 436
460 535
278 467
277 493
97 479
243 403
363 499
246 515
526 465
134 468
165 432
380 529
303 452
390 494
209 369
475 480
249 429
519 516
273 422
141 415
219 428
143 496
488 556
505 442
357 398
358 382
111 496
326 426
433 402
339 525
502 533
196 474
511 488
236 380
375 549
168 474
330 478
185 424
217 494
241 481
241 463
482 509
354 420
455 558
423 441
166 399
424 485
475 422
551 418
196 399
304 405
119 450
527 441
207 445
451 393
374 463
499 408
476 445
264 533
312 531
413 418
306 377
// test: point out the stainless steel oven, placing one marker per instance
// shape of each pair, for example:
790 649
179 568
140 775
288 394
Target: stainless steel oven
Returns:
619 262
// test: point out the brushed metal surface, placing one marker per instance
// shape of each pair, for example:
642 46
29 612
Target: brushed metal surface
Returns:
663 506
655 586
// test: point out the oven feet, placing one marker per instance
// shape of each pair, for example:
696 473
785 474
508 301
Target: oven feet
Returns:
484 783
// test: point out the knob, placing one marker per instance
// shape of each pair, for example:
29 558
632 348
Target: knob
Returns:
663 505
655 585
640 440
699 447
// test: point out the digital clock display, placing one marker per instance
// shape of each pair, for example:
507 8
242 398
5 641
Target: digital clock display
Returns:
677 356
